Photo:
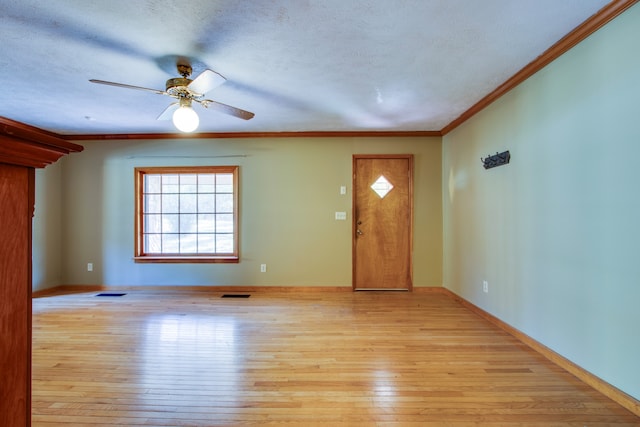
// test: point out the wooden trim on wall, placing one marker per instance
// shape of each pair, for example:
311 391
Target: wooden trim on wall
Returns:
587 377
431 290
581 32
66 289
231 135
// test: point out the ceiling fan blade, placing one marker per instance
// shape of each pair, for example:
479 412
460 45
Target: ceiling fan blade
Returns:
227 109
167 114
206 81
103 82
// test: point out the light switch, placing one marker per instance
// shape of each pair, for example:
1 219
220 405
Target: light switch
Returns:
341 216
343 189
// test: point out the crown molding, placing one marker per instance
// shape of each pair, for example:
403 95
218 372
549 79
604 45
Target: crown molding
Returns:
231 135
581 32
25 145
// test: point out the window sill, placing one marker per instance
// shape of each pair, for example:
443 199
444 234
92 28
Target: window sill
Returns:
187 259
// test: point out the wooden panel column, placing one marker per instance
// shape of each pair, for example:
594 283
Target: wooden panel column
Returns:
22 149
16 182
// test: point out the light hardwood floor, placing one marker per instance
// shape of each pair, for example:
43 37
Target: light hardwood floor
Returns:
192 358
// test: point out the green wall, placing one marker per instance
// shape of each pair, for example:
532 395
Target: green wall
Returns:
289 193
47 233
556 233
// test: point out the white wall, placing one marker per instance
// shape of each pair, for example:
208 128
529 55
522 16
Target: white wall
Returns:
289 193
556 233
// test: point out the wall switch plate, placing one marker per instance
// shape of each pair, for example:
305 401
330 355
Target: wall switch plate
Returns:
343 189
89 266
341 216
263 268
485 286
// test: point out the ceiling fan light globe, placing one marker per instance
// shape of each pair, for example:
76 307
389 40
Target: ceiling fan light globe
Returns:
185 119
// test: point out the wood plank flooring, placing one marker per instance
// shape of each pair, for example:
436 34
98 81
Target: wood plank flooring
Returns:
192 358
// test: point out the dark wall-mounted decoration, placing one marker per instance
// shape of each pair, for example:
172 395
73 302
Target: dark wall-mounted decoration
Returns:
497 159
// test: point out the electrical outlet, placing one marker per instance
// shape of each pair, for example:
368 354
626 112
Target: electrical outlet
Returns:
485 286
89 266
263 268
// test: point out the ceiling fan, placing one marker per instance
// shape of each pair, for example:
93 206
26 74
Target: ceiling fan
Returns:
186 91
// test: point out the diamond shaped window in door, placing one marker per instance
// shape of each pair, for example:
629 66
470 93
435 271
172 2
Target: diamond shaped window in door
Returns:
382 186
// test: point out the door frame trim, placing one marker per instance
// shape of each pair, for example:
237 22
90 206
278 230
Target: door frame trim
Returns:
356 157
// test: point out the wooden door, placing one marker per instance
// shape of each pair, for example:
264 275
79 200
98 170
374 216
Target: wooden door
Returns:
382 222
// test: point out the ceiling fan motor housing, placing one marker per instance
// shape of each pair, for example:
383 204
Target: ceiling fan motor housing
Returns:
178 87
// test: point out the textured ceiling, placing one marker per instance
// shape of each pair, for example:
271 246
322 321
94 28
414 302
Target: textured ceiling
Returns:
299 65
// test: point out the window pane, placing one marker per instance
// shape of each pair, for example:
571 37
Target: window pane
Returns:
153 243
152 203
382 186
152 183
170 203
224 223
170 243
206 183
188 183
206 243
206 203
170 183
189 223
170 223
188 243
188 203
206 223
224 203
224 243
153 223
224 183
